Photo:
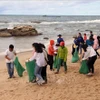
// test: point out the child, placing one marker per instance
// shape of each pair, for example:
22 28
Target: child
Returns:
9 55
62 56
51 54
85 37
40 62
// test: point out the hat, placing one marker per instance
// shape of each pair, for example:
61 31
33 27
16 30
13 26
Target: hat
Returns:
62 43
59 35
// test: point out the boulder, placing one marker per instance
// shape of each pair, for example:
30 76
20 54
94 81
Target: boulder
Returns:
4 33
26 30
23 31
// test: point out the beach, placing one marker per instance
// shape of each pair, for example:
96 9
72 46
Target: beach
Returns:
69 86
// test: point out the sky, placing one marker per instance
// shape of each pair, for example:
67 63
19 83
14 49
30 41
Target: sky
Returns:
49 7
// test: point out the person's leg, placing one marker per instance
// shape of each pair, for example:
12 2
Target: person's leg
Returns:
51 62
97 53
9 69
38 72
12 69
73 50
93 59
89 64
65 66
43 73
59 64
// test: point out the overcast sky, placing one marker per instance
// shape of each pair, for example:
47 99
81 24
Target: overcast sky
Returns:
50 7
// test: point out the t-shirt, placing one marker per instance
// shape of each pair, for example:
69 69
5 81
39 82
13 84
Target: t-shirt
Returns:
40 59
89 53
10 55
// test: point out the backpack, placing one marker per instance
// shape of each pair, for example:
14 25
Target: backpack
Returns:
98 37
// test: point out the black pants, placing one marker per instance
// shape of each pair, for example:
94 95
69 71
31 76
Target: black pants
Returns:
44 73
97 52
50 58
90 63
73 49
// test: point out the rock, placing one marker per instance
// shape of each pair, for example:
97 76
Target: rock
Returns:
5 34
23 31
46 38
26 30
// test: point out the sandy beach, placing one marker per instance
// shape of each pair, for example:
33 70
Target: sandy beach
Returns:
70 86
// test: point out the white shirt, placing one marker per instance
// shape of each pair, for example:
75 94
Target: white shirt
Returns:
10 55
40 59
89 53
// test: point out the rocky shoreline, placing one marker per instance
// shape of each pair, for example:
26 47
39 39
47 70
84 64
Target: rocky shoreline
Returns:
26 30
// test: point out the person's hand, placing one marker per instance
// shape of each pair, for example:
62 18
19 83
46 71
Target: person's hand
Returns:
27 60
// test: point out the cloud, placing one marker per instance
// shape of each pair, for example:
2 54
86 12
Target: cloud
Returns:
36 7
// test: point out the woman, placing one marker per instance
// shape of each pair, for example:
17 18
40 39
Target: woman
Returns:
90 56
40 62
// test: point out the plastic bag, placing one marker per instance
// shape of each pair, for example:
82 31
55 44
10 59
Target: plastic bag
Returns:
19 67
84 68
30 67
75 57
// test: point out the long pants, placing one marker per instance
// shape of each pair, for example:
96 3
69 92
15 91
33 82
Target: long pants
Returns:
10 68
50 58
60 61
44 73
90 63
37 72
73 50
97 52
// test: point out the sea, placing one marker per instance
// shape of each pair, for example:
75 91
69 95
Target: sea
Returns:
49 26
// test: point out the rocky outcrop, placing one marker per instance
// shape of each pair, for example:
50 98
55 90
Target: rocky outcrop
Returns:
4 33
26 30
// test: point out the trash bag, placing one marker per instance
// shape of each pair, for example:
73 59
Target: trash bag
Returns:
75 57
30 67
19 67
55 62
84 68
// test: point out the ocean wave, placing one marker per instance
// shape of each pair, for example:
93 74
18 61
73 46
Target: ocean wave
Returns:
86 21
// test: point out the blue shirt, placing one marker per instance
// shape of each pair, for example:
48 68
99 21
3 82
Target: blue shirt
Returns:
60 40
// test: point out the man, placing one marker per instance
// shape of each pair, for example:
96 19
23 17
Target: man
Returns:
60 39
9 55
62 56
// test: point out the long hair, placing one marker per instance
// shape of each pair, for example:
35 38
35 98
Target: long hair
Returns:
37 47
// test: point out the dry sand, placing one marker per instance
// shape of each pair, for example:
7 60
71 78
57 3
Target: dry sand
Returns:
70 86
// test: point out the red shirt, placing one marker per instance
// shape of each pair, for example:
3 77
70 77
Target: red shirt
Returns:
51 50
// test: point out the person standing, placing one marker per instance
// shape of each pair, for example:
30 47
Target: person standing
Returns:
62 57
38 56
90 56
9 56
51 54
60 39
81 41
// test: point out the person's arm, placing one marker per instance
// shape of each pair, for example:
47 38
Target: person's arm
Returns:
86 54
7 57
33 57
52 49
15 53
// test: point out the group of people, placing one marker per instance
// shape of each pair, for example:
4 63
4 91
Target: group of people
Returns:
44 57
89 46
